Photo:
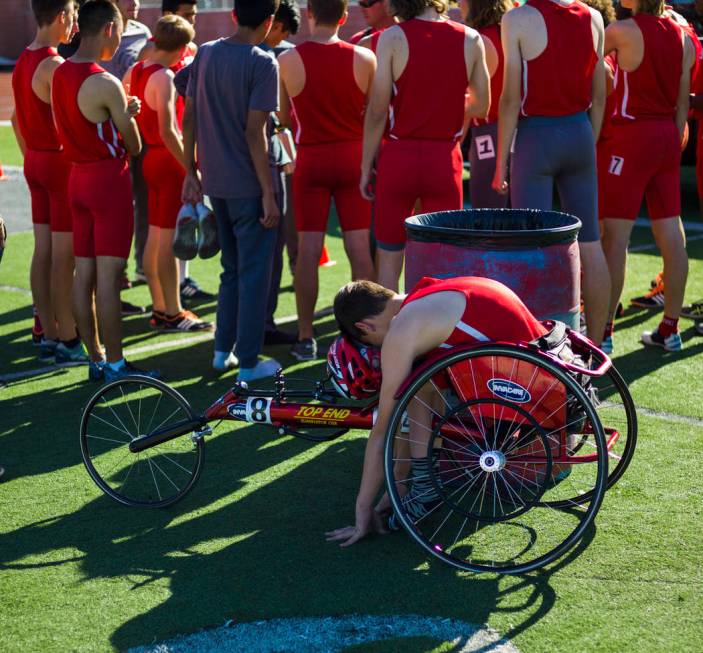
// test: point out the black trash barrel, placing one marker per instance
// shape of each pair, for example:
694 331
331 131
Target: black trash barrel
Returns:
534 253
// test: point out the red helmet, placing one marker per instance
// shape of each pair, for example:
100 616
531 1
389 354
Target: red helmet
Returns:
355 368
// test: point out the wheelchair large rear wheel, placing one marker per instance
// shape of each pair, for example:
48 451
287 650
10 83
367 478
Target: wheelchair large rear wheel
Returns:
123 411
474 477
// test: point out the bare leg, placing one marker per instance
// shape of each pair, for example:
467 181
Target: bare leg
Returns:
596 289
84 306
109 275
671 240
389 265
358 249
40 279
168 271
616 238
62 283
306 279
151 269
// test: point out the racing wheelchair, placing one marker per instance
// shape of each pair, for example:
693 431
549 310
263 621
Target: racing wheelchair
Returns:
519 443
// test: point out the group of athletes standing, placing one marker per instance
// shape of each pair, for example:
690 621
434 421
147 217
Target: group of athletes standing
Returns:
552 98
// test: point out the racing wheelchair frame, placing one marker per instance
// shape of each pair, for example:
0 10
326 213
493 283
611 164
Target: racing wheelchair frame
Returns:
515 441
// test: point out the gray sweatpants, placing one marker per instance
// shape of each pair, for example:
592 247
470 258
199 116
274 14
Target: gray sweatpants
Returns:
549 151
482 157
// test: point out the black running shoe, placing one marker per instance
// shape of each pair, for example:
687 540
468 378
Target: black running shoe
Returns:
132 309
185 239
304 350
191 291
208 240
693 311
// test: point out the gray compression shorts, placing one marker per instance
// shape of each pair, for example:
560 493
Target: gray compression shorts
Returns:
482 157
549 151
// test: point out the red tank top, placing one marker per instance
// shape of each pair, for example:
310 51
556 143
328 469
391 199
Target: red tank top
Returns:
83 141
606 131
559 82
428 101
492 33
493 312
34 118
187 59
651 91
330 108
147 119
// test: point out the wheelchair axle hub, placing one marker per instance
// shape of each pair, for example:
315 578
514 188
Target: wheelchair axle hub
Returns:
492 461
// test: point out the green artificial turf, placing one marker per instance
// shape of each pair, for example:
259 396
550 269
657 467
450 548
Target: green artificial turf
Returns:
79 572
10 154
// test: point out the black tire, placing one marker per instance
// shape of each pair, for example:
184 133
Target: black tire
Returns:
514 541
113 417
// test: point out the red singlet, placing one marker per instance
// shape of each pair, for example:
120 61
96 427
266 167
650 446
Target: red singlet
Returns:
492 33
188 55
162 172
493 312
427 105
330 107
559 82
82 140
100 187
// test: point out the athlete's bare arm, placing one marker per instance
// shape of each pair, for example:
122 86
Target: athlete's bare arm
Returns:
390 46
18 136
292 81
192 191
597 109
682 104
160 94
477 74
364 69
255 133
509 106
420 327
102 97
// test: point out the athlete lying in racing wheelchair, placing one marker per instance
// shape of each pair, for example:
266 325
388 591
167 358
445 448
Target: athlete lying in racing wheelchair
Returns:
383 335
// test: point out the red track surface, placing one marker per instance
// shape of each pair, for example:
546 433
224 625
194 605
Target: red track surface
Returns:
6 103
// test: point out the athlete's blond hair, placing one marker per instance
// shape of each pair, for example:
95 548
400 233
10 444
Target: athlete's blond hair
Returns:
407 9
172 33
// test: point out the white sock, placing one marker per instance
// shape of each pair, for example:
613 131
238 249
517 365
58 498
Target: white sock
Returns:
182 270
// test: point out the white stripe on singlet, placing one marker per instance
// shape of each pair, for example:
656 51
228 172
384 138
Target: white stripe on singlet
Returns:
625 97
391 115
101 136
524 87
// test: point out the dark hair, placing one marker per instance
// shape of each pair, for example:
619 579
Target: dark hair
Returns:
604 8
252 13
173 5
357 301
46 11
288 15
173 33
95 14
483 13
407 9
327 12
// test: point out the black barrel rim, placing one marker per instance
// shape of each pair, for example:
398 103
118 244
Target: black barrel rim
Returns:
502 229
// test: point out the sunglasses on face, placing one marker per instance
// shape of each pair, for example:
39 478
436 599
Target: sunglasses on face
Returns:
367 4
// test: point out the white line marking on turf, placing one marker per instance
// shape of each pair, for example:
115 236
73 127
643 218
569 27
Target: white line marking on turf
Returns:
144 349
651 246
335 634
671 417
688 226
22 291
5 123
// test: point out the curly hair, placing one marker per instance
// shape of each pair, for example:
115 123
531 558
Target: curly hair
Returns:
483 13
652 7
407 9
605 8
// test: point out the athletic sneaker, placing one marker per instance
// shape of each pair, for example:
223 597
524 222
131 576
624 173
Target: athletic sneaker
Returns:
190 290
422 496
304 350
654 298
47 350
96 370
125 283
208 241
185 322
698 326
693 311
74 356
156 321
127 370
185 238
37 329
224 360
607 345
131 309
261 370
655 339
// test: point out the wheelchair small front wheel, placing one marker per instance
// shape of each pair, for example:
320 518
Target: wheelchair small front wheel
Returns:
123 411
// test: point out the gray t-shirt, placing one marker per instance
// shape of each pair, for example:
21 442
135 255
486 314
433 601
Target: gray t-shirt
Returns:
134 38
226 81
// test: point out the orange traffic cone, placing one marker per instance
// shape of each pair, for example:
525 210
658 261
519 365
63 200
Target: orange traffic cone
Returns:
325 261
2 174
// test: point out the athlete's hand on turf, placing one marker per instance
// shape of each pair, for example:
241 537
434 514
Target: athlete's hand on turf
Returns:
272 213
366 185
367 521
192 190
500 180
134 105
